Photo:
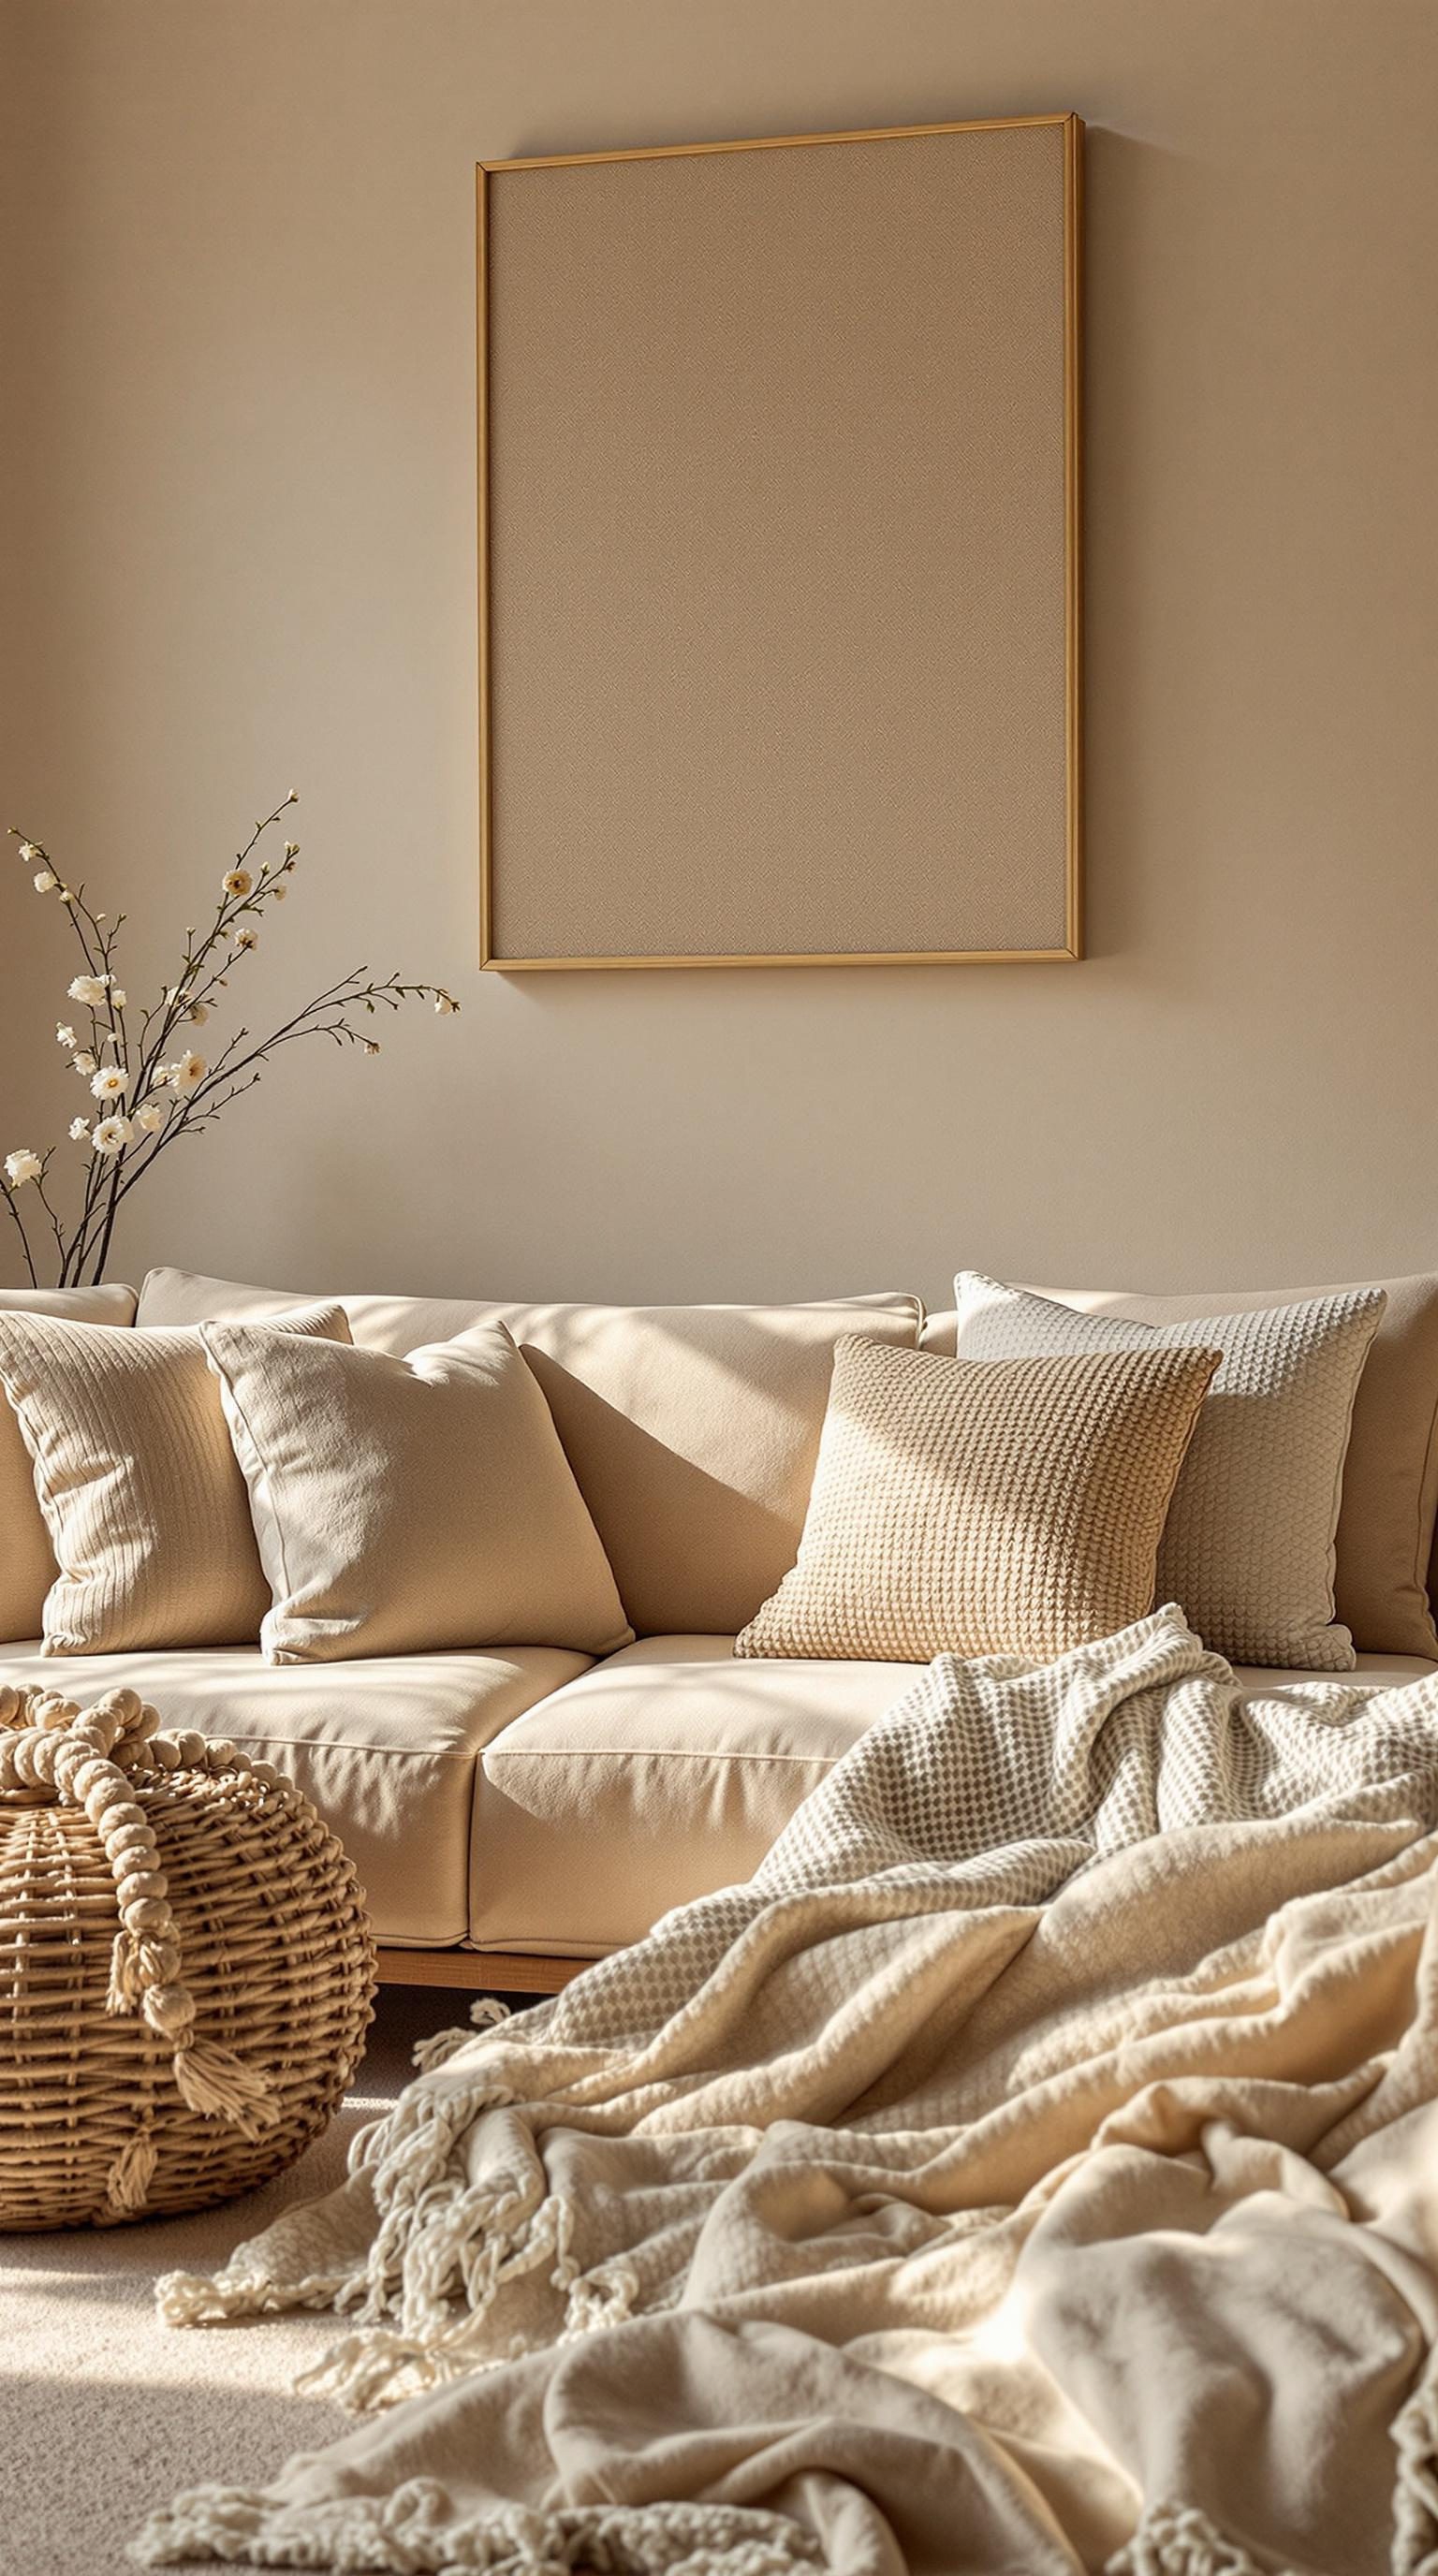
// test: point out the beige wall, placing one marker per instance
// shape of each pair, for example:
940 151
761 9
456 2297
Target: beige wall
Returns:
240 535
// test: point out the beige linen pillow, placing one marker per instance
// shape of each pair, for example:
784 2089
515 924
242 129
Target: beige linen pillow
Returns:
692 1430
981 1510
405 1506
1248 1552
27 1560
145 1507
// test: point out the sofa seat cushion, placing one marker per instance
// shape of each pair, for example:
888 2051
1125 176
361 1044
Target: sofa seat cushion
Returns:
663 1772
669 1770
386 1749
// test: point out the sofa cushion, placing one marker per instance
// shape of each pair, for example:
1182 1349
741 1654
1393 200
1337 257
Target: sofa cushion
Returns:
662 1773
409 1506
1386 1548
667 1772
971 1510
386 1750
146 1508
27 1559
1248 1546
692 1430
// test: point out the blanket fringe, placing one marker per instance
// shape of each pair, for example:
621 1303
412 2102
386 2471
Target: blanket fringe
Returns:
1415 2495
487 2236
1178 2540
416 2530
486 2014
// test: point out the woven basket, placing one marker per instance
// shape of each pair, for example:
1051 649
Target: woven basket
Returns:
186 1968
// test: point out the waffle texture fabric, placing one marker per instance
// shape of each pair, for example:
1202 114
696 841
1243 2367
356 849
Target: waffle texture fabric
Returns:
409 1506
145 1507
976 1510
1249 1548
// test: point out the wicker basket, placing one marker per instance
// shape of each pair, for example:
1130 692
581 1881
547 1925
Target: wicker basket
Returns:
186 1968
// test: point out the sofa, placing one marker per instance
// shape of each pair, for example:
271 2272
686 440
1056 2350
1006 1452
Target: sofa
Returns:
515 1812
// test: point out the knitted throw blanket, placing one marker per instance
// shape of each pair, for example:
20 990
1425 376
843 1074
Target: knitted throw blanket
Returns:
1034 2168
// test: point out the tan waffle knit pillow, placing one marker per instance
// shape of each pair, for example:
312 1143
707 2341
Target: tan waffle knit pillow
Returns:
1249 1550
983 1510
146 1509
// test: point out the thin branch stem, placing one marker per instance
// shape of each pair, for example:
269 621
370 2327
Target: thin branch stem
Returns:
204 973
9 1197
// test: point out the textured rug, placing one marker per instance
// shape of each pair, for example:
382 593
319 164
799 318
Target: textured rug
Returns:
103 2410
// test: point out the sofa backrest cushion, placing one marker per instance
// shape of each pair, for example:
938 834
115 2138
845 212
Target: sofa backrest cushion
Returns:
692 1430
1386 1563
27 1559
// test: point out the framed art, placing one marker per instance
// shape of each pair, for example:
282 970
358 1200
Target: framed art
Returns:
779 534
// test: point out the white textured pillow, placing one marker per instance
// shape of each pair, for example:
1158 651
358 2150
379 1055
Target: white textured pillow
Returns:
1248 1547
406 1506
27 1560
145 1508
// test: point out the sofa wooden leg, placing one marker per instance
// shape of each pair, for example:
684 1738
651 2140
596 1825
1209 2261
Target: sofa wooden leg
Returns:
489 1972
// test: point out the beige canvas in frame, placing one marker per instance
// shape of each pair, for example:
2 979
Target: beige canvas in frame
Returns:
779 551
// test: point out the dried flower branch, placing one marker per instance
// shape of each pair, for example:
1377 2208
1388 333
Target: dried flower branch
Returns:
143 1098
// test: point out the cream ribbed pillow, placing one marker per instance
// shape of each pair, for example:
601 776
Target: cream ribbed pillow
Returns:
405 1506
1248 1552
27 1560
146 1510
983 1510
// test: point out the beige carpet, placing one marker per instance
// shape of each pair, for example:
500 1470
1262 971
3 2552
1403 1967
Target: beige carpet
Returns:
103 2413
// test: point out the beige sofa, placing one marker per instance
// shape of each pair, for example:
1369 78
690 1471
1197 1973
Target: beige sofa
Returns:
515 1812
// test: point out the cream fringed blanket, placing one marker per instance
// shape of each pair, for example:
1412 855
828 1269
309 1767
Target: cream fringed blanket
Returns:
1034 2169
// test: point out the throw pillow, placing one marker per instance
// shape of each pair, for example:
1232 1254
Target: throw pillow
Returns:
404 1506
27 1560
980 1510
146 1509
1248 1552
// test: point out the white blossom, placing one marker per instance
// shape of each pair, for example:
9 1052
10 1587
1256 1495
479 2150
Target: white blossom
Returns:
45 881
29 853
118 996
445 1004
65 1034
238 881
22 1167
198 1013
111 1082
187 1073
279 892
246 936
84 1062
79 1127
150 1116
89 989
112 1136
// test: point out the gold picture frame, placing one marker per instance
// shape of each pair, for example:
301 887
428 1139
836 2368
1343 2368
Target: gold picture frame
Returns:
1061 939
